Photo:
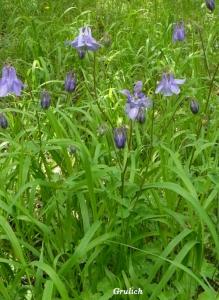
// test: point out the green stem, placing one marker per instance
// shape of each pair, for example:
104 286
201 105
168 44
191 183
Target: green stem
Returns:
126 162
205 112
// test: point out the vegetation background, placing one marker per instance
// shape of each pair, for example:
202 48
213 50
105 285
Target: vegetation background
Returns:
79 217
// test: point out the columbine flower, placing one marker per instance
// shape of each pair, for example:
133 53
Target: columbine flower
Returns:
70 82
3 121
9 83
84 41
179 32
194 106
210 4
136 102
45 100
120 137
168 85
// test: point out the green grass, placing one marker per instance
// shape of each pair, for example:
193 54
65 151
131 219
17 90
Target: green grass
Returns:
77 225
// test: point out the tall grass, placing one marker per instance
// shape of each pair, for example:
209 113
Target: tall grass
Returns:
75 224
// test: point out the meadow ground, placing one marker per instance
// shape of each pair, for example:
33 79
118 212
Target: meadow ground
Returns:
103 187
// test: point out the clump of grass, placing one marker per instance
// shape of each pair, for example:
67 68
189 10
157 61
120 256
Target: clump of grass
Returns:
81 214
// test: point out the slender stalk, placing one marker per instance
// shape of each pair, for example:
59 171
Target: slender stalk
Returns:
144 173
205 112
95 95
204 52
126 162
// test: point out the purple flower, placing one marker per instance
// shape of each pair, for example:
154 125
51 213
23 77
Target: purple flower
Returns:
3 121
9 83
84 41
70 82
45 100
120 137
179 32
168 85
136 101
210 4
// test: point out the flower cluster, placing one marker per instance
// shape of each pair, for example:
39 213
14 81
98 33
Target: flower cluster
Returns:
137 102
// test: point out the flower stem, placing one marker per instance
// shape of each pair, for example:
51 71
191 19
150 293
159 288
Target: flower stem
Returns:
205 112
126 162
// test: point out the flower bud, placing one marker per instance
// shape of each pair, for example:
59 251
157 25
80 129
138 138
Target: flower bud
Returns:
179 32
70 82
3 121
45 100
194 106
210 4
120 137
72 149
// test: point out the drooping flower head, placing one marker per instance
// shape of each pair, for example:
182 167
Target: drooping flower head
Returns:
136 102
84 41
194 106
70 82
120 137
210 4
45 100
169 85
3 121
179 32
9 83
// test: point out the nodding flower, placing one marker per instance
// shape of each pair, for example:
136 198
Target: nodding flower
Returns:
45 100
84 41
179 32
120 137
70 82
9 83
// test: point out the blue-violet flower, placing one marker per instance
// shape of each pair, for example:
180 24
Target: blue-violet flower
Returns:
70 82
179 32
136 101
84 41
120 137
45 100
9 83
169 85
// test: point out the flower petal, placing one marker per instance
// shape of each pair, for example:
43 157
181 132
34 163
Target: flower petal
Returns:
175 89
3 88
133 112
179 81
138 87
